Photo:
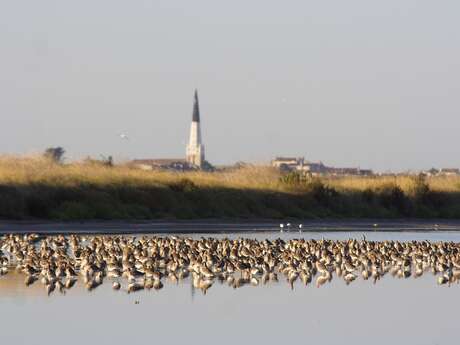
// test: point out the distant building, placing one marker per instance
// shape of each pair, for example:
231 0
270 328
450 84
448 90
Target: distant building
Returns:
441 172
194 159
431 172
163 164
366 172
287 163
449 172
195 148
343 171
315 168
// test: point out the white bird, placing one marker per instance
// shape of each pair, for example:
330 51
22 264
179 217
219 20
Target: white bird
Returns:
300 227
281 227
124 136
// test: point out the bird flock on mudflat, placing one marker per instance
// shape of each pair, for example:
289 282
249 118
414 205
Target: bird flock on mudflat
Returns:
131 264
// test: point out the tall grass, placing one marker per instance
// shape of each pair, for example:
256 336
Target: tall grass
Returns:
34 187
38 170
406 183
25 171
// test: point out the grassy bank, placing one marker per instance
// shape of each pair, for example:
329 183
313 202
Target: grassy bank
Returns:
38 188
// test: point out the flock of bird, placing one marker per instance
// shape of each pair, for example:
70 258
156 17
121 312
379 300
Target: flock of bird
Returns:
131 264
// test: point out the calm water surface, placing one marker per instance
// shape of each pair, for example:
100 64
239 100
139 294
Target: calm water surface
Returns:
393 311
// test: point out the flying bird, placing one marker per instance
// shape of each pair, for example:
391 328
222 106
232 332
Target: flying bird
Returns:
124 136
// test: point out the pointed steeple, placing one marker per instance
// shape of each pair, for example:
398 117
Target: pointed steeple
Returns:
195 149
196 108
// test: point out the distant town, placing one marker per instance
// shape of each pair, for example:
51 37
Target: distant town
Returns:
195 160
299 164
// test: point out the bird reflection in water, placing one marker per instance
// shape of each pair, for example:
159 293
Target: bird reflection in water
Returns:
131 264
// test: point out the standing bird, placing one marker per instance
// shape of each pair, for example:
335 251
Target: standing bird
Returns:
281 227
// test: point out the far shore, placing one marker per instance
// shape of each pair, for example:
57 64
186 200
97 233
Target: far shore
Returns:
206 226
44 190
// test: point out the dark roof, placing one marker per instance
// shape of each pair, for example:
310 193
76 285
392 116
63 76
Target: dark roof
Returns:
196 109
162 161
282 159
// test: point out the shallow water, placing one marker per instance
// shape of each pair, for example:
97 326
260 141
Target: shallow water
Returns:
409 311
338 235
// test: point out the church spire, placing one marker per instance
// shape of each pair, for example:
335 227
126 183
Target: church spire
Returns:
196 108
195 149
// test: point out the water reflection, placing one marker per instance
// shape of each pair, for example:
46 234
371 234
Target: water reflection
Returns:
400 311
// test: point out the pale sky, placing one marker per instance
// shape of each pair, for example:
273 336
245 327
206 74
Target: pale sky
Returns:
362 83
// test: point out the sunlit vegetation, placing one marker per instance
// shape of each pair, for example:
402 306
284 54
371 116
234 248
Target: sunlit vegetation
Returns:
36 187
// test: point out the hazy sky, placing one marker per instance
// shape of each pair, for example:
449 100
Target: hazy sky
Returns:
352 83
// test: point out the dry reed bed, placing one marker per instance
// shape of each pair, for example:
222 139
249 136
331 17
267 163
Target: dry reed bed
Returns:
23 171
30 171
406 183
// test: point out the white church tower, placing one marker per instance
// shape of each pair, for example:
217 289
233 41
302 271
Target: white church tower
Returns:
195 149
